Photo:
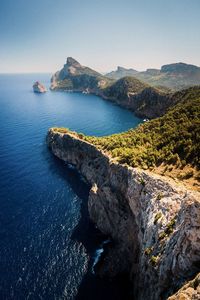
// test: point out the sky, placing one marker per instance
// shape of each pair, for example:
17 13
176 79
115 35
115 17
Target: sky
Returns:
38 35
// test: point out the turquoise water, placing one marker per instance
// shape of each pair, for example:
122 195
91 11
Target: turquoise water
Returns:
44 253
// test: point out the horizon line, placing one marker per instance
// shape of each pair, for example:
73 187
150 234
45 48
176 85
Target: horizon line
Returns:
97 69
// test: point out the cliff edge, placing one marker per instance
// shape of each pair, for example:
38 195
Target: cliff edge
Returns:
154 223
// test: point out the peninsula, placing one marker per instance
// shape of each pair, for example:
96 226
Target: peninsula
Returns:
145 193
145 100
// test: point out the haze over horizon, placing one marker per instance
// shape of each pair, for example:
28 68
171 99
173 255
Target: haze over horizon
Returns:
37 36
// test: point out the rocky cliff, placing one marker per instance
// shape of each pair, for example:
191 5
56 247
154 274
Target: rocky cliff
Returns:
143 100
154 223
76 77
39 87
128 92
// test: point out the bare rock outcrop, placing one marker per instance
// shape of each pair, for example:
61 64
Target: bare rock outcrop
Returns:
190 291
154 223
39 87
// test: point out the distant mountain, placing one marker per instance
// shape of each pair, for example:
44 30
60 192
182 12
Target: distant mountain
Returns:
181 68
128 91
121 72
74 76
139 96
174 76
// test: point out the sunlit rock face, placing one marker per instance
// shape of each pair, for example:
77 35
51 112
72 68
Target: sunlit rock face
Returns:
76 77
39 87
190 291
154 222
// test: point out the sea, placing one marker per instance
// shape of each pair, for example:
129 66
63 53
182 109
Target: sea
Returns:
48 245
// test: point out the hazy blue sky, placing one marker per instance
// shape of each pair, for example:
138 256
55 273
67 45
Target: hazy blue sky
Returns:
38 35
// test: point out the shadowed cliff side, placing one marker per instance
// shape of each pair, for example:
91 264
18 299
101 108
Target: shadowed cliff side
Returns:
154 223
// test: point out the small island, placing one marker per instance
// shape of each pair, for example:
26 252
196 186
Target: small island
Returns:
39 87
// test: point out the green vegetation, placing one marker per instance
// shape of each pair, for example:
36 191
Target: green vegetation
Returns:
124 87
162 235
168 230
61 129
154 260
142 182
128 91
159 196
65 84
157 217
170 226
148 250
167 145
172 139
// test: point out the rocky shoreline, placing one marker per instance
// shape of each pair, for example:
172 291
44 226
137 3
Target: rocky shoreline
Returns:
154 223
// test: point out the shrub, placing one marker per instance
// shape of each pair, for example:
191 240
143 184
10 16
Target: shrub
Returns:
159 196
188 174
157 217
168 230
171 139
154 260
142 182
148 250
162 235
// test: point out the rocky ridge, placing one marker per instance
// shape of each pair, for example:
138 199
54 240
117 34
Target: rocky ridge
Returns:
154 223
76 77
174 76
128 92
121 72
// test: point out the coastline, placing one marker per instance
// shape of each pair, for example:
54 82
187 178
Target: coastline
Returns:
131 102
124 209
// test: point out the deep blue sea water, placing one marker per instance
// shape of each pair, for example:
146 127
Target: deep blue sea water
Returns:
45 244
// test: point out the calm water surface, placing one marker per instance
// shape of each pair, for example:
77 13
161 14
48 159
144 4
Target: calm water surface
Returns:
44 248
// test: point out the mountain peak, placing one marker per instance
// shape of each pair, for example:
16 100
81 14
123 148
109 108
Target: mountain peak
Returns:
179 68
120 68
72 62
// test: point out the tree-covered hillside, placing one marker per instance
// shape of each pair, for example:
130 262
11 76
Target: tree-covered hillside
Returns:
171 139
124 87
168 145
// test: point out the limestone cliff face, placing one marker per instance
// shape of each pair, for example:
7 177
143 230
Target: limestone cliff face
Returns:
75 77
148 102
155 224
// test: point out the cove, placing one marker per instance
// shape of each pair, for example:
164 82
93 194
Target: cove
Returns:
43 252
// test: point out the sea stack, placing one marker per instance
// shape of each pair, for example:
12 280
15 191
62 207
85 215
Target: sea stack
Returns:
39 87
